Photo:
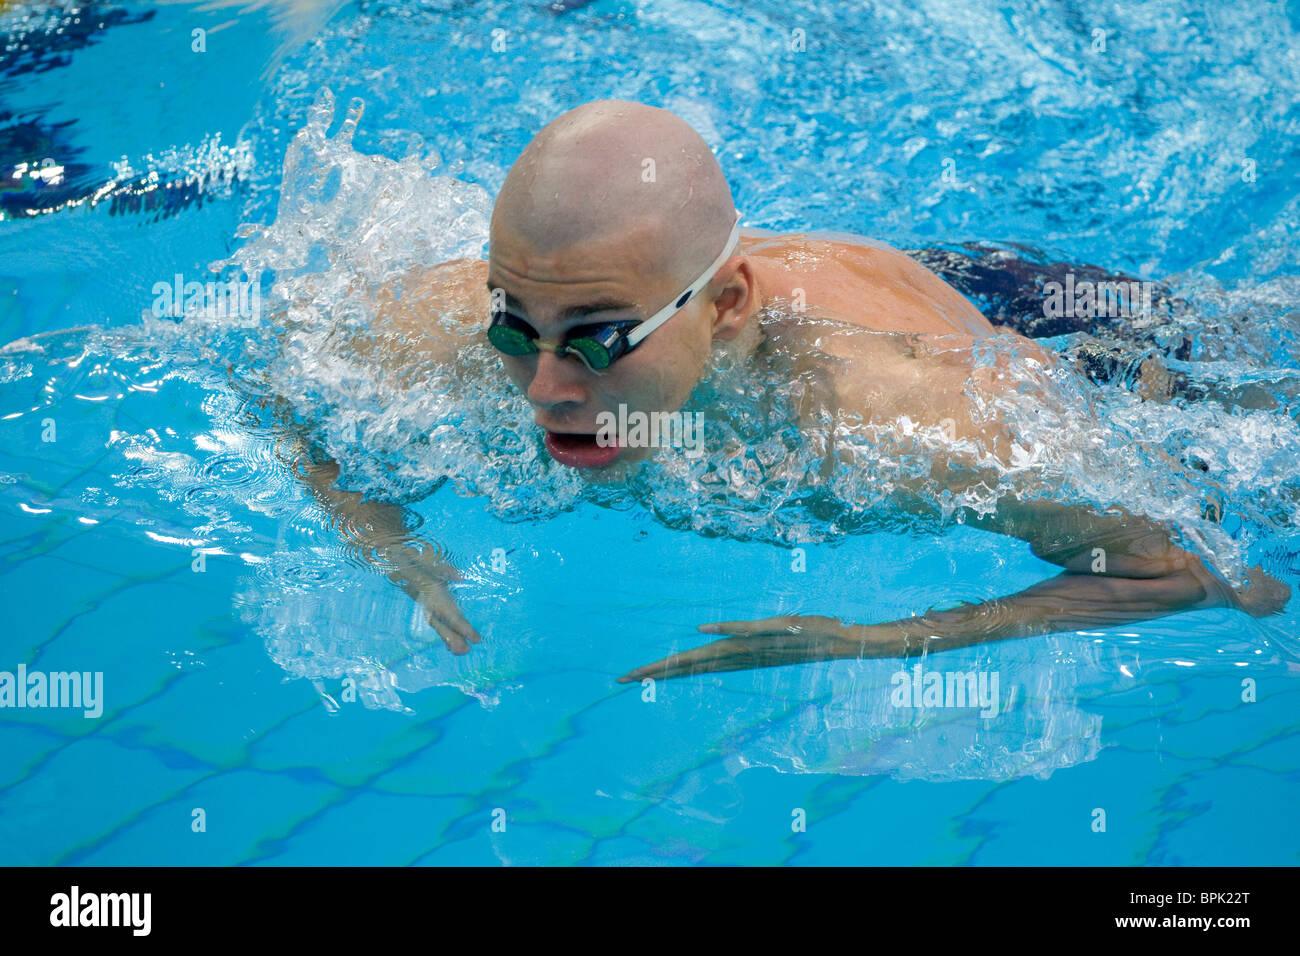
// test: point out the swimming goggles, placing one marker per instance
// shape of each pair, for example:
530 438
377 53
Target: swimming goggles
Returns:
600 345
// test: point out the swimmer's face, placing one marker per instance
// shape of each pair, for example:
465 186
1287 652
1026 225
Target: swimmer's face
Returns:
606 281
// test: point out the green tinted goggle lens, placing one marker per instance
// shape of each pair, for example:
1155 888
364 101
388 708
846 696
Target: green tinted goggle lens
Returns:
510 340
590 351
598 350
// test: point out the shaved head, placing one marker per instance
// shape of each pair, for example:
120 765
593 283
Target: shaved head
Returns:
605 218
613 168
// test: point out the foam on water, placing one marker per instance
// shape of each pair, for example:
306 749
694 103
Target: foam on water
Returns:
349 224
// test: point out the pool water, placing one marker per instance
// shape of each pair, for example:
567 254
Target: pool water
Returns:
299 700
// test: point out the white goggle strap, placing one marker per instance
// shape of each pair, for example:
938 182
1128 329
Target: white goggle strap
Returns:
672 308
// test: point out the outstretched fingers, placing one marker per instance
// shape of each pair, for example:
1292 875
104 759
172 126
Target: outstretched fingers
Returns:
444 616
724 655
771 642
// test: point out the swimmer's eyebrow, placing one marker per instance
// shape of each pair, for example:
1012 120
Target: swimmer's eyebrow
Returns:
576 311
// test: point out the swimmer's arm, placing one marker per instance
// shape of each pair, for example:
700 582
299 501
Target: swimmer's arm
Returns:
440 309
1068 601
1071 600
377 533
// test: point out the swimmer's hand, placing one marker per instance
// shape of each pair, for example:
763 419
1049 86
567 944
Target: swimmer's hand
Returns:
772 642
424 578
375 532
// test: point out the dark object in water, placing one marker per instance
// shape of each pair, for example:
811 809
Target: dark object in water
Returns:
565 6
1014 285
50 41
1010 284
41 169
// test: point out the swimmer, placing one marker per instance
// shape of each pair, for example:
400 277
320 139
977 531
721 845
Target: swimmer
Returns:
617 266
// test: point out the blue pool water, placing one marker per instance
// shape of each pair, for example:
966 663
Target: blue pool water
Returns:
1167 146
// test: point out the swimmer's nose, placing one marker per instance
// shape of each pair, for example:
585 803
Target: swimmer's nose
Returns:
556 381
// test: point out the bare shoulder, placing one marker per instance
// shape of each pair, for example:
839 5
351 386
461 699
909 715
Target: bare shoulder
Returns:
455 291
863 282
428 315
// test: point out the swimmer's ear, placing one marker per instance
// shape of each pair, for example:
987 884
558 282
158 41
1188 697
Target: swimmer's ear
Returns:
736 294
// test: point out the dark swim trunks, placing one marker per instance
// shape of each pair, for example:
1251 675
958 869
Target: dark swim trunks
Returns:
1009 284
1006 282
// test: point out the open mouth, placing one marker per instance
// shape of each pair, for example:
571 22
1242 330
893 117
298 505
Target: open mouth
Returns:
580 450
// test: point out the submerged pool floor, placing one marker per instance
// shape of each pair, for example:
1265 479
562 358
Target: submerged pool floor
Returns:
269 700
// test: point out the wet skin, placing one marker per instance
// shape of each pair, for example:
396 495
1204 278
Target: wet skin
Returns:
860 307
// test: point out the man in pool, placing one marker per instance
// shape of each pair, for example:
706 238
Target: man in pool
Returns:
617 266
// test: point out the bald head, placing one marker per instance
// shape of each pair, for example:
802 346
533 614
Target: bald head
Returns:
610 168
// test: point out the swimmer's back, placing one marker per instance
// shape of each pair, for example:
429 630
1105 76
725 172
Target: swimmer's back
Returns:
869 285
